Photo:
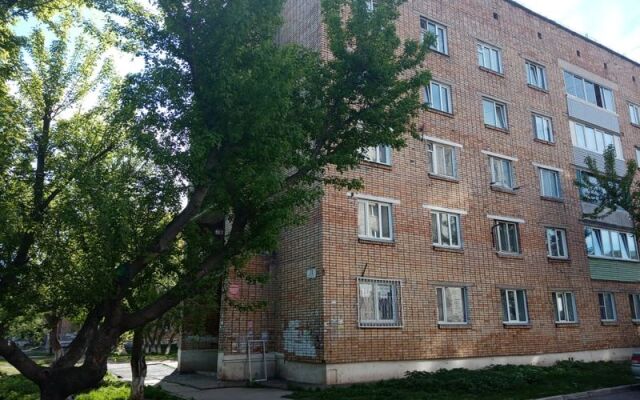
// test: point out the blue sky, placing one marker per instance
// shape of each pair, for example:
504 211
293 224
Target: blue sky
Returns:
613 23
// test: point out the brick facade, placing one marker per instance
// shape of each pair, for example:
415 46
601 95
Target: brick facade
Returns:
315 320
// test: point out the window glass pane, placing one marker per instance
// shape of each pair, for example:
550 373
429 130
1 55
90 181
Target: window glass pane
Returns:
522 306
374 220
609 305
633 248
571 312
579 87
436 101
513 238
453 228
562 251
385 302
449 162
435 236
385 215
590 90
495 60
603 309
503 239
440 160
501 120
367 307
489 113
580 135
569 84
513 308
607 96
444 230
445 99
505 306
454 305
607 250
439 292
480 55
487 57
600 141
362 217
560 310
590 136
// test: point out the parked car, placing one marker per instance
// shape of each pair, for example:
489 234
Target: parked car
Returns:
635 365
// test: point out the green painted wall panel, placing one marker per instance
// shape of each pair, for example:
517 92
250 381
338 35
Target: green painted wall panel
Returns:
611 270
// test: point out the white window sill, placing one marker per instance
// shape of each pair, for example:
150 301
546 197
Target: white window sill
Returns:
452 249
375 240
378 325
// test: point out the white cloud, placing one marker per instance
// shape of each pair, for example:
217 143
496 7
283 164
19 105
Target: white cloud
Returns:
612 23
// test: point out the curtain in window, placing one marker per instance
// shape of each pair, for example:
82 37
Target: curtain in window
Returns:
366 301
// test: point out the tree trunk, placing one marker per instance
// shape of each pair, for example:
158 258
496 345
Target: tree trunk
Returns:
171 339
138 366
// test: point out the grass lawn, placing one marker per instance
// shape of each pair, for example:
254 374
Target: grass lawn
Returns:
15 387
500 382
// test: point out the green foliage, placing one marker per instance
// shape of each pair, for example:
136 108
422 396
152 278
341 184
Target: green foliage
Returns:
498 382
16 387
608 191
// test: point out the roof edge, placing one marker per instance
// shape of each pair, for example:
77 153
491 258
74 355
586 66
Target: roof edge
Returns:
572 32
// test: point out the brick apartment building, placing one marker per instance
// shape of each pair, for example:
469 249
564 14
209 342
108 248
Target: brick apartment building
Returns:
468 247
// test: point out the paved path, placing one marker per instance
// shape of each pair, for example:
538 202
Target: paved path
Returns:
632 394
194 386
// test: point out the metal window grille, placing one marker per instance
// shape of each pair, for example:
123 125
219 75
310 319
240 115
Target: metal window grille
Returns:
379 303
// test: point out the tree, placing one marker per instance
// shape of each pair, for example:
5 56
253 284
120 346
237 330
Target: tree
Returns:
609 191
247 131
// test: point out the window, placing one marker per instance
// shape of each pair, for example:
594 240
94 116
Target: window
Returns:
452 305
634 302
378 154
634 112
374 220
502 173
506 237
638 155
490 57
587 195
550 183
543 128
438 96
607 306
588 91
438 31
536 75
445 229
557 243
593 139
379 303
564 305
495 113
371 5
514 306
442 160
604 243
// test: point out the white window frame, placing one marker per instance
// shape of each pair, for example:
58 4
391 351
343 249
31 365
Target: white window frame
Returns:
560 236
634 303
366 223
436 150
584 83
377 154
443 315
557 183
442 41
444 90
371 5
546 128
539 72
561 298
638 156
497 236
602 296
495 181
601 238
506 315
436 228
634 114
498 108
600 141
485 59
377 321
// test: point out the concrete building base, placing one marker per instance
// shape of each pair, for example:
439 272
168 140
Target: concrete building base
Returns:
335 374
197 360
